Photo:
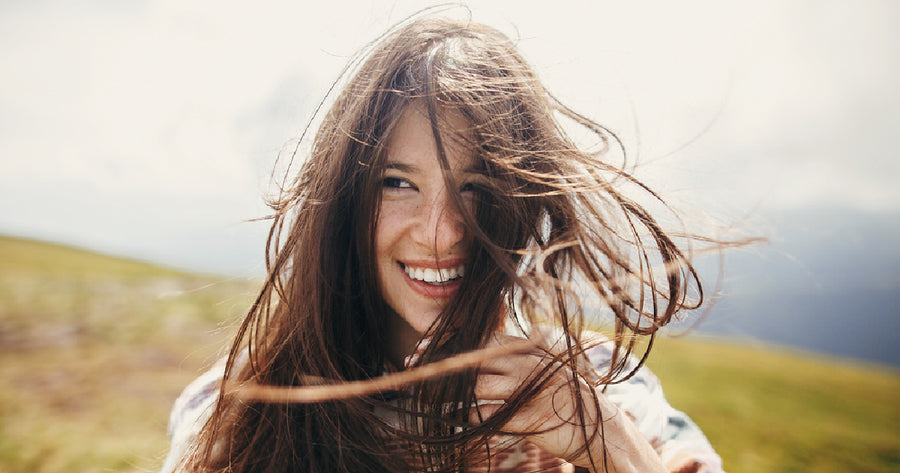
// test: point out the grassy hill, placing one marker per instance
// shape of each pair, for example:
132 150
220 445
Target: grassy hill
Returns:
94 350
767 409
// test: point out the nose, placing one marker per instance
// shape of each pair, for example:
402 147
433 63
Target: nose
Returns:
440 227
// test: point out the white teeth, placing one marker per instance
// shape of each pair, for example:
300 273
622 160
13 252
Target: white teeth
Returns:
435 276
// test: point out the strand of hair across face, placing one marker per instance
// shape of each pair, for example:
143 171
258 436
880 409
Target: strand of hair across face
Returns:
326 390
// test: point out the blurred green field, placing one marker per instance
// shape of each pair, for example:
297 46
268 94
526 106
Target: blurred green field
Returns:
94 350
771 410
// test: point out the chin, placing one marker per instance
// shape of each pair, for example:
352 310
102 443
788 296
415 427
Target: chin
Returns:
422 321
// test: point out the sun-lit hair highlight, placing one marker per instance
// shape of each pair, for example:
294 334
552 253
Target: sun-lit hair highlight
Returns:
559 242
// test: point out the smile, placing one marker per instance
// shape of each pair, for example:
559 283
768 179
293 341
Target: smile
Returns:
434 276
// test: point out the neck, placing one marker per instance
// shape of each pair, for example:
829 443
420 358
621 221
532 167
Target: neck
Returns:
402 340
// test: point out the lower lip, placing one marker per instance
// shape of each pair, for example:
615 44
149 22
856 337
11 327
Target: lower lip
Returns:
444 291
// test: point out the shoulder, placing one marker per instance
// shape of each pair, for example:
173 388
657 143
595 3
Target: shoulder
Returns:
196 398
190 412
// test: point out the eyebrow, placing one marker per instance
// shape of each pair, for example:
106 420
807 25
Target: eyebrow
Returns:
404 167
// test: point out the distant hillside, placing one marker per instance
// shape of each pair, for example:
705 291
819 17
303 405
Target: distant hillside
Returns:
863 324
94 350
35 257
829 281
46 288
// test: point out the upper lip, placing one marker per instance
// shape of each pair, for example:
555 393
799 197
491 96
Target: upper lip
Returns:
432 263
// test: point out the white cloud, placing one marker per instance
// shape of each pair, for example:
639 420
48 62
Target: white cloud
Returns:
180 102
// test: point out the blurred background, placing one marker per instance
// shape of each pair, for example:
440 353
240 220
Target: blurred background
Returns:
148 130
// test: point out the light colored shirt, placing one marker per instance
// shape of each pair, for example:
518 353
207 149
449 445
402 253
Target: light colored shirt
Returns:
672 434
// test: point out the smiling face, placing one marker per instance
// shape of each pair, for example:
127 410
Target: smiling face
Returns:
421 243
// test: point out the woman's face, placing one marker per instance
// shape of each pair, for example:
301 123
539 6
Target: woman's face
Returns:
421 243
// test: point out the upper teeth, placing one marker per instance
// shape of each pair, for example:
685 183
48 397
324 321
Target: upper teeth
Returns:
432 275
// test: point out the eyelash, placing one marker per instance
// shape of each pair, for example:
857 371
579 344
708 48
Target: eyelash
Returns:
400 183
397 183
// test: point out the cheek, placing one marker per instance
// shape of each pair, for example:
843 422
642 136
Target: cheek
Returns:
389 245
385 234
393 222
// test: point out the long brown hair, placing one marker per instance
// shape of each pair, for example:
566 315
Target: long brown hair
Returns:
553 236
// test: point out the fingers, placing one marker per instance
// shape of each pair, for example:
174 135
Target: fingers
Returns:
517 366
501 376
561 412
483 410
494 387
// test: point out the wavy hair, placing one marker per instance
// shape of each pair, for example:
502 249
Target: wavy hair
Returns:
556 242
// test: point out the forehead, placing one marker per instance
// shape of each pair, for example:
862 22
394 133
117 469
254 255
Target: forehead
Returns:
412 140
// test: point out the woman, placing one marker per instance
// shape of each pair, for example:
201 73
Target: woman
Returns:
442 210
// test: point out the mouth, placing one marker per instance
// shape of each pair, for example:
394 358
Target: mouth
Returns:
434 276
439 283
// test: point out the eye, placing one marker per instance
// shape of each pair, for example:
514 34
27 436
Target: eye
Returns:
468 187
396 183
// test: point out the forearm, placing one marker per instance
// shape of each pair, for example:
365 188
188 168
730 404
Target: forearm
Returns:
676 438
620 446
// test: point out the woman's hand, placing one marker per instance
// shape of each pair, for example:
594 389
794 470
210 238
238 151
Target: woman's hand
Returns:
551 419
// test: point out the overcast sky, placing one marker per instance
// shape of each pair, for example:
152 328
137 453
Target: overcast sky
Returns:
150 128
